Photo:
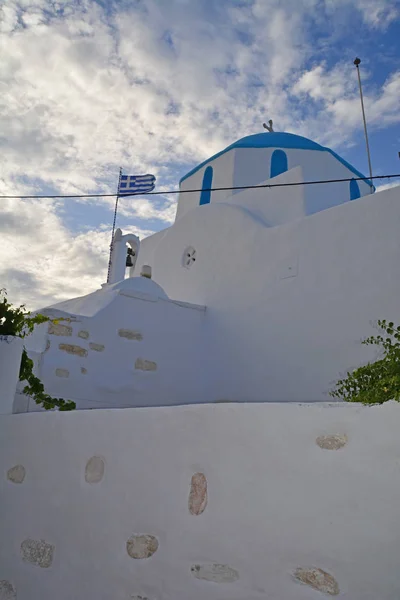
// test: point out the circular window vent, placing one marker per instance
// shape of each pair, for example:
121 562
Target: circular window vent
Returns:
189 257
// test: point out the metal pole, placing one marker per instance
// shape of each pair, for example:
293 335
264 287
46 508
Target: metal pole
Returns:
113 227
357 62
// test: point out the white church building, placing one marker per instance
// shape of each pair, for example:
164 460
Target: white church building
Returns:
257 294
216 469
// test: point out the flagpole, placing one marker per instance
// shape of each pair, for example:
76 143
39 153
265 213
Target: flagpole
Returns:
113 227
357 62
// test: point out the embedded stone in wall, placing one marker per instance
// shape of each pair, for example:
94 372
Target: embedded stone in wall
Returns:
47 345
142 546
331 442
96 347
83 370
7 590
83 334
59 329
72 349
318 579
145 365
215 572
129 334
62 372
37 552
198 494
94 470
16 474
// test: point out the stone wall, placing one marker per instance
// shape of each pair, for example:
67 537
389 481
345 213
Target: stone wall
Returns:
224 502
134 350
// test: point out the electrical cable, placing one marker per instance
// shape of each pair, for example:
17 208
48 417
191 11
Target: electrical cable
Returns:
198 190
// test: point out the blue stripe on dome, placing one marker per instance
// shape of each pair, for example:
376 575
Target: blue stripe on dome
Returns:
278 139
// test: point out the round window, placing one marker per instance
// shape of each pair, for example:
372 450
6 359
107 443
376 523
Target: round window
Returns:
189 257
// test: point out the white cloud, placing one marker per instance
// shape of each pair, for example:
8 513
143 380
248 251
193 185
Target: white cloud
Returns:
338 100
153 87
147 209
376 13
387 186
145 88
42 262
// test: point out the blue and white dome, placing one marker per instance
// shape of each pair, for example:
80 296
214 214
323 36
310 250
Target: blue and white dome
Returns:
276 140
262 157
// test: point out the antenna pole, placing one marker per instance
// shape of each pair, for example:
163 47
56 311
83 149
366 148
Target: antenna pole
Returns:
357 62
113 227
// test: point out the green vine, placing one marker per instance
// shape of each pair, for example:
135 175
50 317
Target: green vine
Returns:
18 322
375 383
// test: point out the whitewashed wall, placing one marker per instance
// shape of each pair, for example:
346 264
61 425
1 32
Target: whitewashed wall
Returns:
288 306
76 488
121 347
286 309
275 206
223 170
10 362
146 253
251 166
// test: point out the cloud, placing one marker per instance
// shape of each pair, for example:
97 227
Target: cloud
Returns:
387 186
151 84
332 91
42 262
154 86
378 14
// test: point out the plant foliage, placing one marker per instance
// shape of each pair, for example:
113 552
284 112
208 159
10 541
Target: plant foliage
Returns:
377 382
18 322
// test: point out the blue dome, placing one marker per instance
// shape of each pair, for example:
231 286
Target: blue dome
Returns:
277 139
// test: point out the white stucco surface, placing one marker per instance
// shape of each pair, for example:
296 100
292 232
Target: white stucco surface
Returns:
223 173
147 248
251 167
119 347
287 306
268 312
10 361
275 206
119 249
278 503
260 295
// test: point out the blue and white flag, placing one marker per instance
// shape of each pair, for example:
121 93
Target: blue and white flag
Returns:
136 184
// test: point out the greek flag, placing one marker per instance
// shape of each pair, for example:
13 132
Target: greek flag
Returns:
135 184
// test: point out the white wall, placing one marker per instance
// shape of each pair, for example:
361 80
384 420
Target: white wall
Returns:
277 502
146 252
324 166
288 306
251 166
10 362
93 358
223 168
275 206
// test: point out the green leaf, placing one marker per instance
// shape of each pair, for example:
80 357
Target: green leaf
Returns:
374 383
16 321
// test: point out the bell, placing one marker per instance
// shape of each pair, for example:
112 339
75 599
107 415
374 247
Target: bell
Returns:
129 261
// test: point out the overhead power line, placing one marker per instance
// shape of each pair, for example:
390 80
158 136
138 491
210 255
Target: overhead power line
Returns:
198 190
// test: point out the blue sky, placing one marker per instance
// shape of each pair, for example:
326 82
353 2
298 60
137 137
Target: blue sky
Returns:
156 86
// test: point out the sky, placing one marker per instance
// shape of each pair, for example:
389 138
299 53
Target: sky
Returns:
158 86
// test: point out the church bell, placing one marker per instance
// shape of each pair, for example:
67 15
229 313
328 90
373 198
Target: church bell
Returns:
129 261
